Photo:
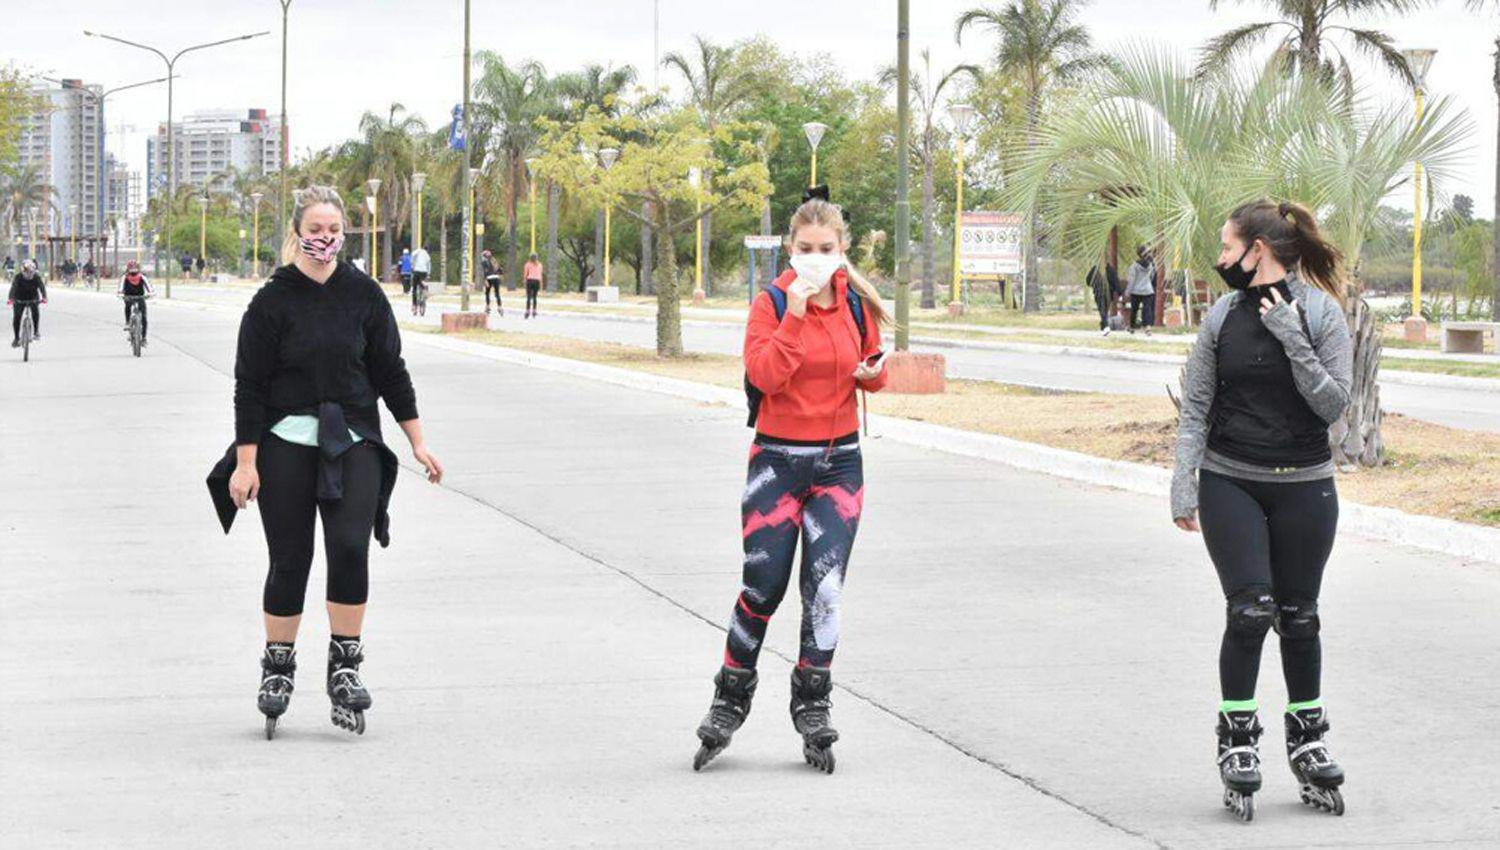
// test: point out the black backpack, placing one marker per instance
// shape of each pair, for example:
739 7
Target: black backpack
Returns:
753 395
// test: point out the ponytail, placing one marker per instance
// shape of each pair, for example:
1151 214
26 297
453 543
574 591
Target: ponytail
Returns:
1292 234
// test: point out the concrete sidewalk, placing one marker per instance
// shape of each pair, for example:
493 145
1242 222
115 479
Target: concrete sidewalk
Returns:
1026 662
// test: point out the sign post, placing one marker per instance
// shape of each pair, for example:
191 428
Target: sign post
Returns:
992 245
770 246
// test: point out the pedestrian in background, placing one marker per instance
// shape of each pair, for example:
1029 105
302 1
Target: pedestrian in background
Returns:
1141 288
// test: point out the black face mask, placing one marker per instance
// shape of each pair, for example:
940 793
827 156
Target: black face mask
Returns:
1234 274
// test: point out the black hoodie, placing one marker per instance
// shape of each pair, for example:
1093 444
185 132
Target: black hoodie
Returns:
327 350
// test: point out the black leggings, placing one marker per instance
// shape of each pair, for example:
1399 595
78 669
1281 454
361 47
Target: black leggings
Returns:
793 492
145 324
532 288
1269 543
1139 317
288 508
492 284
15 322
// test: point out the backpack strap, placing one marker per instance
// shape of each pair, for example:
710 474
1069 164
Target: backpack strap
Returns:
857 307
778 300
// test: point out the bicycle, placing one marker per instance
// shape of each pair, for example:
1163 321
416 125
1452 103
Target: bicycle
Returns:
28 328
137 325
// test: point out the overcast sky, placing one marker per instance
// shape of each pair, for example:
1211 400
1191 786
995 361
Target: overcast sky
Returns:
347 56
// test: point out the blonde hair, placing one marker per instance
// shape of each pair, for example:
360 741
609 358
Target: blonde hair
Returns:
820 213
302 199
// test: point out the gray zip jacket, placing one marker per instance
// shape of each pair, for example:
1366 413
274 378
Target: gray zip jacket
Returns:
1322 368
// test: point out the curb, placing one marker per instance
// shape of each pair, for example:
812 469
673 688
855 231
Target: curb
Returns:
1431 534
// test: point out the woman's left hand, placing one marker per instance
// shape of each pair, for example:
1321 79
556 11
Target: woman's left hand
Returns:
1267 304
429 462
866 372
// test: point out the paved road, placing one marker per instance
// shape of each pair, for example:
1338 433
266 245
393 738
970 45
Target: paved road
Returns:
1015 672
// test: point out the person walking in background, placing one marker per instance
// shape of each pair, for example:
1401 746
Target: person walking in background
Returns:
186 261
1141 288
1103 287
202 265
534 275
491 271
405 270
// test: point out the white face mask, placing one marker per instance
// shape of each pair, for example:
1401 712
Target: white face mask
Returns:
817 269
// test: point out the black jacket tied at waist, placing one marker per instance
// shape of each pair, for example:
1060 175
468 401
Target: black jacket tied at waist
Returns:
333 443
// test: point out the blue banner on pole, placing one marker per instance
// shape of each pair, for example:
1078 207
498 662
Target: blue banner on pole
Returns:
456 139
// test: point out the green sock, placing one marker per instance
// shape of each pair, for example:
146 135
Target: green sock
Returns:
1229 705
1294 707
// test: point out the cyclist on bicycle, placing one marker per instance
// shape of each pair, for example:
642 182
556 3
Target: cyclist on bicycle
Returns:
421 266
27 288
135 285
89 270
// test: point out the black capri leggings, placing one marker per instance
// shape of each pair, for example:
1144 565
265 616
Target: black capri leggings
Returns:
15 320
288 507
1269 543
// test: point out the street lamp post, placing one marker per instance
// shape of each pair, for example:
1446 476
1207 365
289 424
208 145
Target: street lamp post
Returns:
471 253
695 177
608 157
468 189
1420 62
374 184
418 180
202 232
531 202
73 232
284 215
903 170
255 198
961 114
814 131
367 243
170 146
239 261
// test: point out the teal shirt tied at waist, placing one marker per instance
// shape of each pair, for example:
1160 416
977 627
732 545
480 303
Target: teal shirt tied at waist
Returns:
303 431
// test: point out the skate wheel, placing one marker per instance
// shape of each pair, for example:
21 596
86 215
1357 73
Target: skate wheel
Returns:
270 728
705 755
1241 805
821 758
344 718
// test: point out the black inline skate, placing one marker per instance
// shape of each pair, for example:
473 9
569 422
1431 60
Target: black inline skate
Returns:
278 667
1239 761
1319 774
810 704
345 689
733 690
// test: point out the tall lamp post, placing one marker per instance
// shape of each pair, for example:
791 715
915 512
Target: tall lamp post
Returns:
283 215
170 146
903 172
1419 59
255 234
607 158
814 131
374 184
961 114
418 180
531 201
695 177
468 190
203 231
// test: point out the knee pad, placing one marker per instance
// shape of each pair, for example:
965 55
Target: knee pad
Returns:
1297 618
1251 613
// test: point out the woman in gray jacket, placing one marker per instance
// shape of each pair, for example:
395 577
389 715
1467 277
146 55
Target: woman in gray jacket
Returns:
1270 372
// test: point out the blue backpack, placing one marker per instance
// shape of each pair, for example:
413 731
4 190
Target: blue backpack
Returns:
753 395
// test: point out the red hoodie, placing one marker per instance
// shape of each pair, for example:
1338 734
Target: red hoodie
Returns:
805 365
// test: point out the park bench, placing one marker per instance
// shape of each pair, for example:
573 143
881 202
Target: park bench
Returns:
1467 337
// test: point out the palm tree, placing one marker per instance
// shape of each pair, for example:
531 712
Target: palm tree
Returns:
1479 5
1042 44
716 88
1151 148
386 150
1310 34
509 101
597 87
25 197
925 148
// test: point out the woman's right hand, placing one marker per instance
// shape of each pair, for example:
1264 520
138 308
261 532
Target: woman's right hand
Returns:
797 295
1188 523
244 485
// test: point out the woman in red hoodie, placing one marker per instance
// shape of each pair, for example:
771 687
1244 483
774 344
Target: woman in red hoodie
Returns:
806 476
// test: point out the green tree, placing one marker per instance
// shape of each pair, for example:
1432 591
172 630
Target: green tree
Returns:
1042 44
510 101
1311 31
25 200
656 154
594 87
1481 5
1151 148
386 150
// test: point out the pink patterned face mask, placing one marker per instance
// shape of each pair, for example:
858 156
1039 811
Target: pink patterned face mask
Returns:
322 249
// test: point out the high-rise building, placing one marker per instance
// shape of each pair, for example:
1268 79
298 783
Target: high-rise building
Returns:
207 145
64 139
122 202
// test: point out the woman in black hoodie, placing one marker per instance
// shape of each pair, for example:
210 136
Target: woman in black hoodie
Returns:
317 346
